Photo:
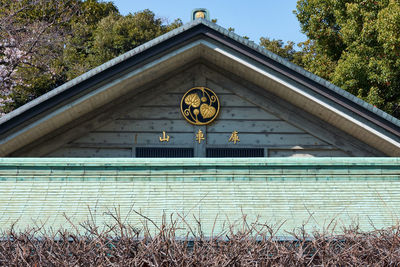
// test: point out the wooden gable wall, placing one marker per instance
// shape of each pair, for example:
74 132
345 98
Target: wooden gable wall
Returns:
272 127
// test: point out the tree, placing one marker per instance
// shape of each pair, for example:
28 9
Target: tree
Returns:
286 51
45 43
31 38
355 44
110 37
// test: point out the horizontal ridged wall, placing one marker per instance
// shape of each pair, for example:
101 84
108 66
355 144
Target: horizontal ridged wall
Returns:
314 190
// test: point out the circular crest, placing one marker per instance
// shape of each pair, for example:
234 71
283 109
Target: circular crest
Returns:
200 105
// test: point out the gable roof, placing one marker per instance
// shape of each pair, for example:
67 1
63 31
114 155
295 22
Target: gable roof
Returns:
204 38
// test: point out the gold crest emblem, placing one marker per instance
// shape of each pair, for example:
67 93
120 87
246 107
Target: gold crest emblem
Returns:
200 105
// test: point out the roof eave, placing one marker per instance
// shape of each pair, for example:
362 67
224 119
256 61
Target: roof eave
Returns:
197 29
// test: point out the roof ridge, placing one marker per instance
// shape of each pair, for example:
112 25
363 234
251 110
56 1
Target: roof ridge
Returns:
251 44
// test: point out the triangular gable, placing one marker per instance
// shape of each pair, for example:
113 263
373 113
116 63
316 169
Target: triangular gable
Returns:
143 125
139 71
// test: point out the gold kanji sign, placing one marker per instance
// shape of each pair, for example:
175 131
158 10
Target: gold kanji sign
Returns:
200 136
234 137
164 137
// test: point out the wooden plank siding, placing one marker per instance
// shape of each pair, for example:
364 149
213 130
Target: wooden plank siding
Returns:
144 123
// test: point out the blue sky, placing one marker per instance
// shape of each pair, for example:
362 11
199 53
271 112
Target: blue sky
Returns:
253 18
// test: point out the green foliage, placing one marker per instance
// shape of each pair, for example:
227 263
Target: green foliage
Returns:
110 36
355 44
117 34
318 63
93 11
286 51
79 45
83 34
32 34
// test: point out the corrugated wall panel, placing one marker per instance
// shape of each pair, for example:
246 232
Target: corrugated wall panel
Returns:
317 190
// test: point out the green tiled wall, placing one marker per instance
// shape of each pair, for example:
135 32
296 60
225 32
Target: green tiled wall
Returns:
364 191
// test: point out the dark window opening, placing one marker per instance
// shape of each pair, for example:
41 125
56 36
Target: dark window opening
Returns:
234 152
164 152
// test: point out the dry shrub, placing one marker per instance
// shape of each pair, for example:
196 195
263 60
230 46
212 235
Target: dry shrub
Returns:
247 244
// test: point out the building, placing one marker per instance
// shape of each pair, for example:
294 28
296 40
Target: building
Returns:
203 122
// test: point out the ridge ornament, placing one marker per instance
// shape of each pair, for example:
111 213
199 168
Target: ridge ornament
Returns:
200 105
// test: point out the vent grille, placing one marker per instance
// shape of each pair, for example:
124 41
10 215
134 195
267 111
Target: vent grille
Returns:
164 152
234 152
